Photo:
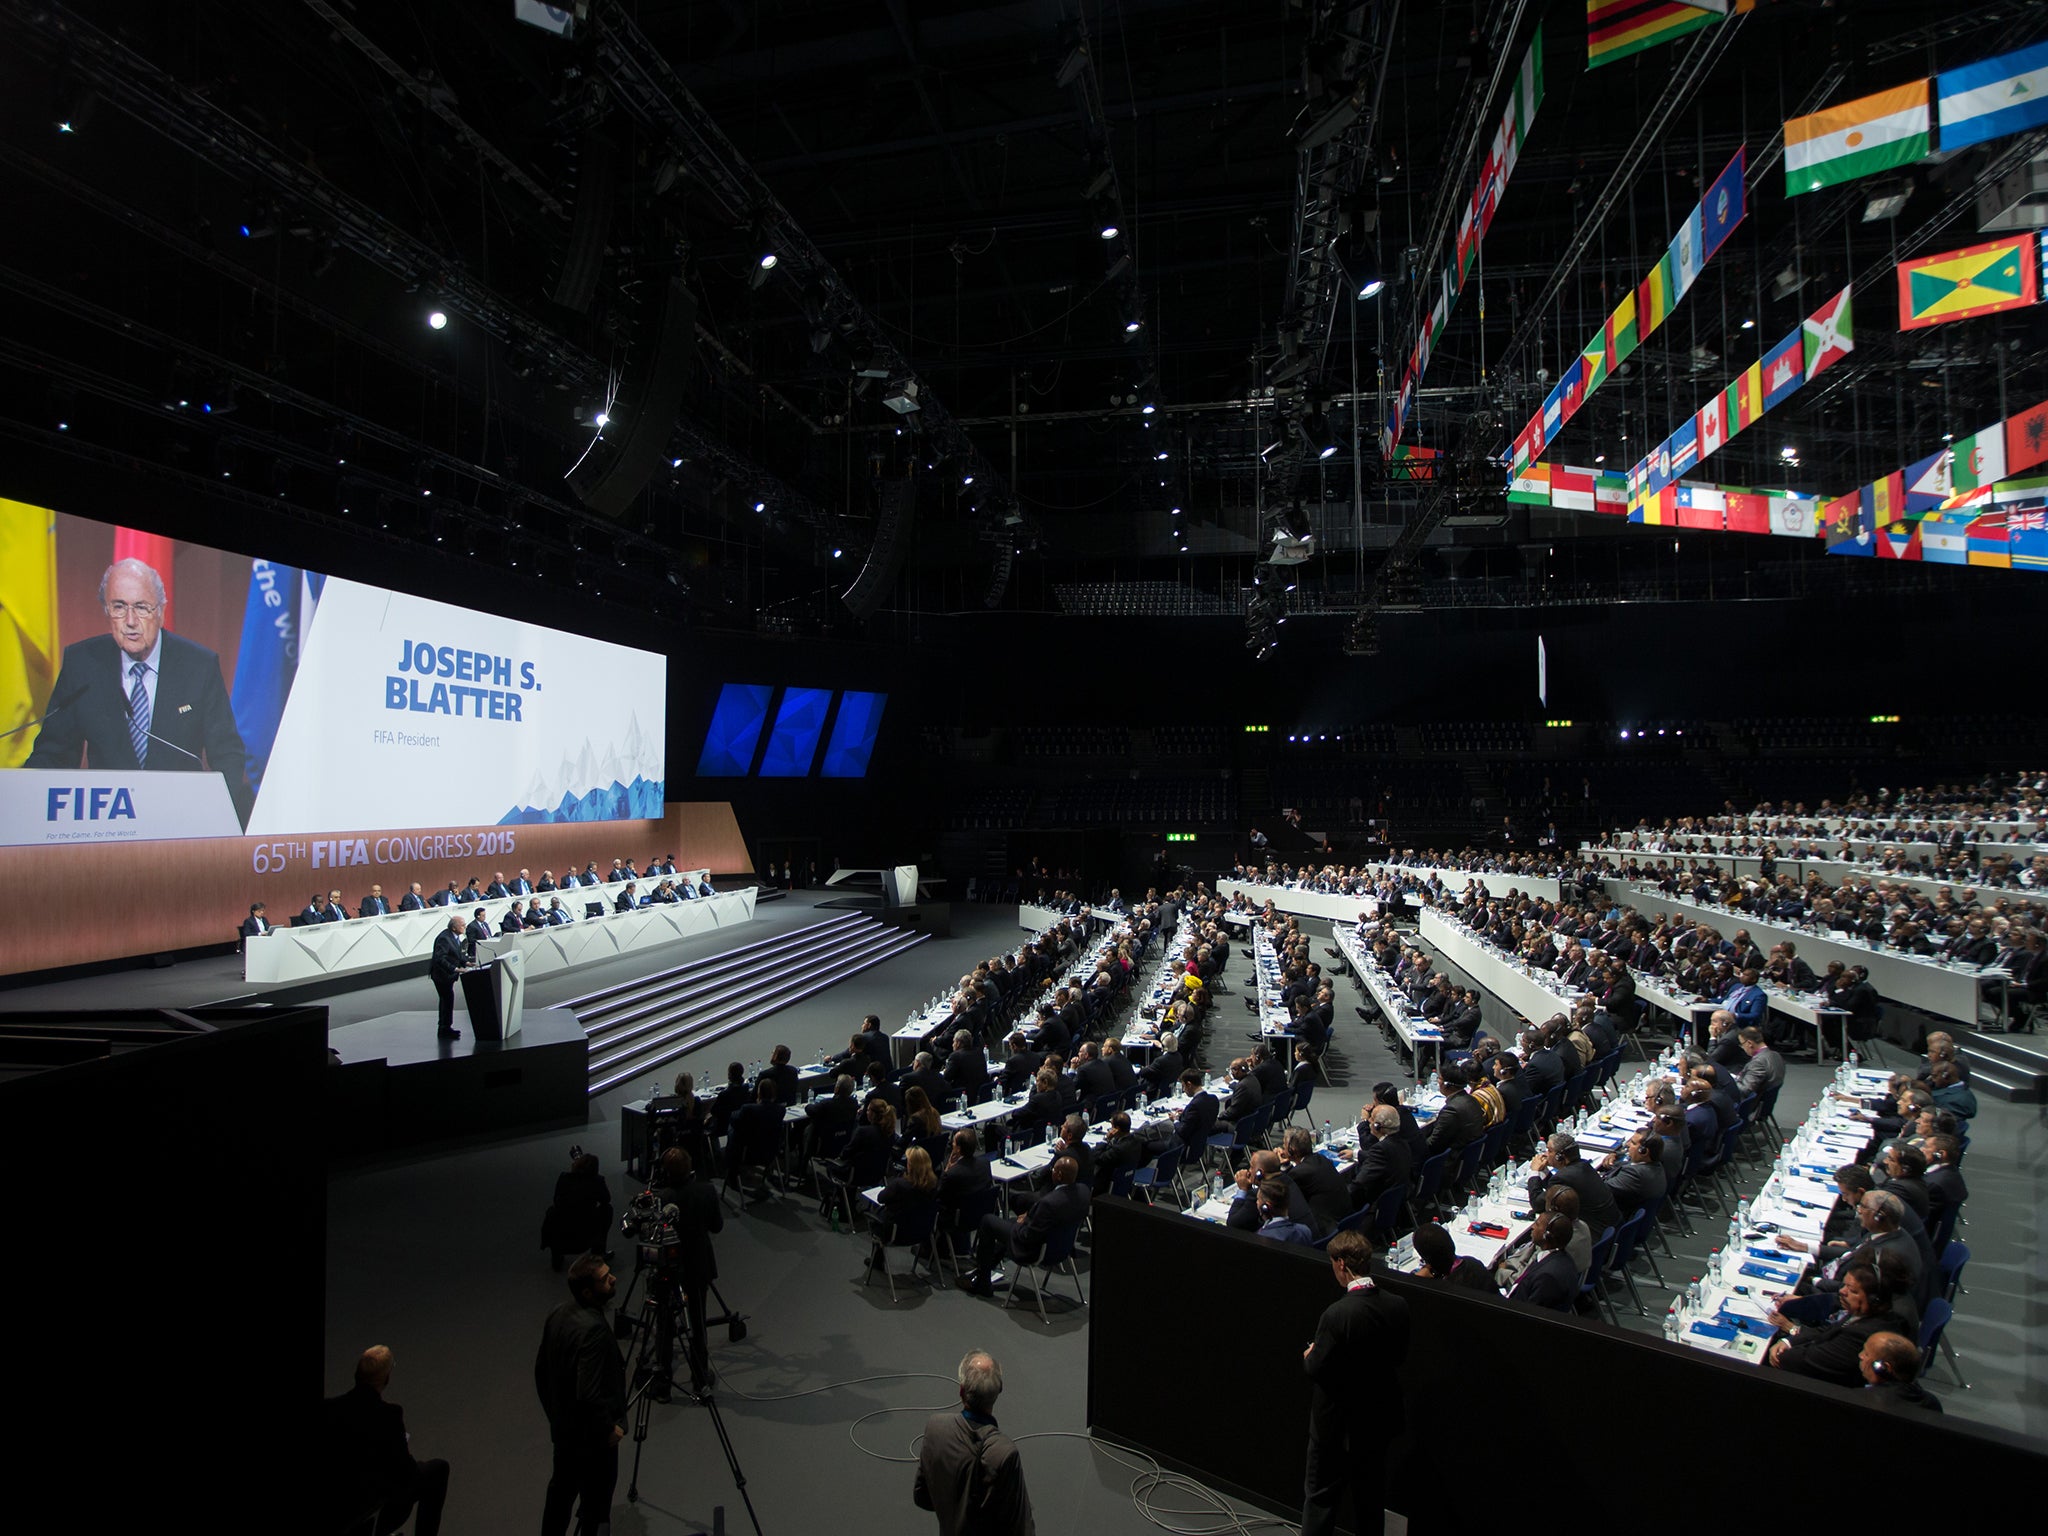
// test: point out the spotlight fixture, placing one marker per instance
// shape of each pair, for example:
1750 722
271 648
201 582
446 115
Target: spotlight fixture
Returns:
1749 325
1146 409
1886 200
1371 287
764 267
601 418
1132 326
902 397
1110 230
437 320
760 506
1315 426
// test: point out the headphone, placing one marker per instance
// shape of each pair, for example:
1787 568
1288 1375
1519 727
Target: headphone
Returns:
1880 1368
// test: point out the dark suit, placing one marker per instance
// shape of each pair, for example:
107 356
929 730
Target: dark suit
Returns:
1460 1121
373 906
1635 1185
1829 1352
1093 1079
443 968
1244 1209
935 1086
254 927
370 1467
1064 1205
967 1068
1382 1165
582 1386
88 716
1597 1208
1360 1343
1197 1123
1021 1068
1551 1282
1328 1197
411 902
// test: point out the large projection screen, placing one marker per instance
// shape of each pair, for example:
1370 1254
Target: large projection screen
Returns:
284 732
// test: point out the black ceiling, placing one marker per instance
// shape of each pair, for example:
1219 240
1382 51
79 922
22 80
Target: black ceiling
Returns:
924 173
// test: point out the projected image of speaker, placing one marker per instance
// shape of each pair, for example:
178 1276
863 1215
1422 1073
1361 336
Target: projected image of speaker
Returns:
635 443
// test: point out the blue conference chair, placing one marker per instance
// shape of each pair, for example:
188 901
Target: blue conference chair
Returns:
1056 1257
912 1230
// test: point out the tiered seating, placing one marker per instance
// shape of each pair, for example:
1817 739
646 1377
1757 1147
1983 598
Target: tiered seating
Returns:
1070 741
1140 599
1464 738
999 806
1179 801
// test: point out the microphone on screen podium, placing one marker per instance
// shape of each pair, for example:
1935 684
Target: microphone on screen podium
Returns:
55 708
128 704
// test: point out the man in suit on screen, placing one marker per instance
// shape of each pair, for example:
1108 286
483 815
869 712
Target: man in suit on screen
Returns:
142 697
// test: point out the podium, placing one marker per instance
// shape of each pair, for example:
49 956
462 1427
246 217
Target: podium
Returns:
494 996
56 806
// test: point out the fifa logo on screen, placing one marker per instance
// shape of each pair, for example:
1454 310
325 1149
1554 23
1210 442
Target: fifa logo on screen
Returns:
100 802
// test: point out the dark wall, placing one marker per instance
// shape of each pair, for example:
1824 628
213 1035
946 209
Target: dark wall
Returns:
167 1266
1498 1391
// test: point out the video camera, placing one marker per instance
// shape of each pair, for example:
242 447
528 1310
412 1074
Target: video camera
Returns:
652 1227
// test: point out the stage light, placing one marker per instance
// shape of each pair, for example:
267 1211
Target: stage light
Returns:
764 266
837 553
675 463
1110 231
1371 287
438 320
1599 458
1157 457
967 479
1315 427
760 506
63 426
769 261
1146 409
1131 326
601 417
1749 325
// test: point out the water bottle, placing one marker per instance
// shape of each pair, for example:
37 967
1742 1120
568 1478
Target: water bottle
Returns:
1051 1135
1216 1186
1855 1061
1327 1137
1692 1294
1671 1325
1742 1214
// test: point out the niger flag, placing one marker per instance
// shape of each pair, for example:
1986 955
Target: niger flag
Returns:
28 622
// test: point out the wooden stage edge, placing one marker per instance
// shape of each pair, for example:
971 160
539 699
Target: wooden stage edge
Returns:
109 901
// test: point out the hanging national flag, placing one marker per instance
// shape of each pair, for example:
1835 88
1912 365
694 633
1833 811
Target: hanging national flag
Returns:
1987 541
1411 463
2026 536
1928 484
1784 368
1688 252
1748 511
1553 411
1979 460
1701 506
1746 397
1858 138
1531 485
1969 503
1685 447
1842 520
1572 387
1659 508
1610 493
1829 334
1900 543
1888 500
1712 424
1525 448
1571 490
1654 297
1722 208
1593 364
1794 517
1617 28
1977 280
2026 439
1944 541
2001 96
2022 491
1622 336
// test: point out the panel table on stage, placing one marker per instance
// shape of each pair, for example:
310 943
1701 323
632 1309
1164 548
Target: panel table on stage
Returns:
360 943
1919 981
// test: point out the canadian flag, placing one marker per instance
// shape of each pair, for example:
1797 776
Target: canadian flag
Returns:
1713 427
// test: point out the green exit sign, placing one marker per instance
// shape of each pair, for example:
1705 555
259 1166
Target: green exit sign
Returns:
1884 719
1257 730
1180 837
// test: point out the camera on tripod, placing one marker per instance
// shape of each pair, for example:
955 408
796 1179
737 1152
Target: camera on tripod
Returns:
651 1225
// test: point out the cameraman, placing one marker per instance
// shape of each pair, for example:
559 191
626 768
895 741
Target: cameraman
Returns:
582 1385
580 1219
699 1213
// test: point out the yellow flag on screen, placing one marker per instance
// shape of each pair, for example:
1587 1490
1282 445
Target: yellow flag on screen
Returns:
28 623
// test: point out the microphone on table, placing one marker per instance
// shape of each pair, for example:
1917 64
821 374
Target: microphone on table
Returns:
128 703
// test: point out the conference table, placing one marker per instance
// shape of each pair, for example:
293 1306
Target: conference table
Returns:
356 944
907 1039
1918 981
1694 1011
1834 872
1535 995
1731 1315
1336 907
1416 1032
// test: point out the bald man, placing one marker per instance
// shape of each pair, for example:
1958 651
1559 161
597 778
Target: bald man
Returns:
369 1460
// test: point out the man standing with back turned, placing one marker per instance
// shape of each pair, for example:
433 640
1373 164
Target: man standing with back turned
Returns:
967 1472
1356 1408
444 968
582 1384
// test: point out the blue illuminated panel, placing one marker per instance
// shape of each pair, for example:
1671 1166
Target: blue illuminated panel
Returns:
853 735
794 741
735 729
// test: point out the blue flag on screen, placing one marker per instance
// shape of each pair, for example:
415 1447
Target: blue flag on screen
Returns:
268 658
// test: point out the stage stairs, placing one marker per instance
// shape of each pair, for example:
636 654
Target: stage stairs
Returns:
640 1026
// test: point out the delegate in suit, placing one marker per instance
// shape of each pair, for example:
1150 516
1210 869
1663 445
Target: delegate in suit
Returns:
141 697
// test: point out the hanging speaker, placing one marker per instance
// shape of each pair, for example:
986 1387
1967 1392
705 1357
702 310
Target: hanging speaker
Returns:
893 519
589 223
644 414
